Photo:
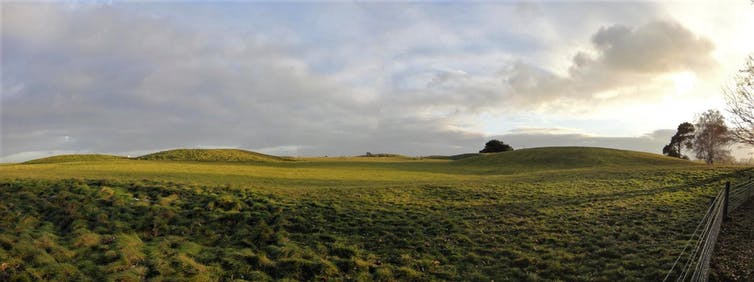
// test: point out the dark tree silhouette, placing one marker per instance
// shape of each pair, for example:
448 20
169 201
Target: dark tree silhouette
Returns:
495 145
683 138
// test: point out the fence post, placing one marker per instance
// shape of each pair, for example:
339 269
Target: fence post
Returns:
725 201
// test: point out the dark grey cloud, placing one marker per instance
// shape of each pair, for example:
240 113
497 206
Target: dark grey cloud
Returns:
625 60
660 46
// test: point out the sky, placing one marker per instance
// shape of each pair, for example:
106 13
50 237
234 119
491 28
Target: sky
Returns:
345 78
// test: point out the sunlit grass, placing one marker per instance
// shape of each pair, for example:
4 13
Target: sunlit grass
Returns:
558 214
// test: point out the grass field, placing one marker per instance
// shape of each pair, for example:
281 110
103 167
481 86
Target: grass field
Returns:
535 214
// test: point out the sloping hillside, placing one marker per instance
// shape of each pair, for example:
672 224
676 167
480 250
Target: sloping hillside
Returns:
570 157
211 155
453 157
74 158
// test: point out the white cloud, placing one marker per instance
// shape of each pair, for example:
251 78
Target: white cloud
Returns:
342 78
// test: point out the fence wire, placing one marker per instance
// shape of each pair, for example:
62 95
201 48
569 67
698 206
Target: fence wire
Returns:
692 264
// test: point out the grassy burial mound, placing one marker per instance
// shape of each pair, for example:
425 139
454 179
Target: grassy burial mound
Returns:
453 157
570 157
211 155
75 158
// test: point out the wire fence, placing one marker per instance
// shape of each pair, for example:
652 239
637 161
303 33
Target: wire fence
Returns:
739 195
693 262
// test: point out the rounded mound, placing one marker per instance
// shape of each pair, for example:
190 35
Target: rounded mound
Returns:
211 155
453 157
74 158
571 157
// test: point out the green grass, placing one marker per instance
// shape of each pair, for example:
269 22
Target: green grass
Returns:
211 155
454 157
75 158
571 157
536 214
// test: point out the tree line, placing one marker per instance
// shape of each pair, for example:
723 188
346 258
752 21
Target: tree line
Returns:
709 138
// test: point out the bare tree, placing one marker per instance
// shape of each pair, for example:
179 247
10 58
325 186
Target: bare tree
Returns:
712 137
740 100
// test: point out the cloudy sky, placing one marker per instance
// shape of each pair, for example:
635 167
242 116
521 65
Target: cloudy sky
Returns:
344 78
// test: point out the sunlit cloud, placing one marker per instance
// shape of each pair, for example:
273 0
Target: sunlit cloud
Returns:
345 78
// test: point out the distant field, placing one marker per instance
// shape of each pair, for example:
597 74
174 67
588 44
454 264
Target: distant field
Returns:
547 213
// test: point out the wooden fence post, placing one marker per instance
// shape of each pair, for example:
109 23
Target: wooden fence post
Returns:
725 201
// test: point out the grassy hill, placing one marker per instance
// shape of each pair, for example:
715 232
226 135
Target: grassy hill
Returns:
570 157
525 215
211 155
453 157
75 158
